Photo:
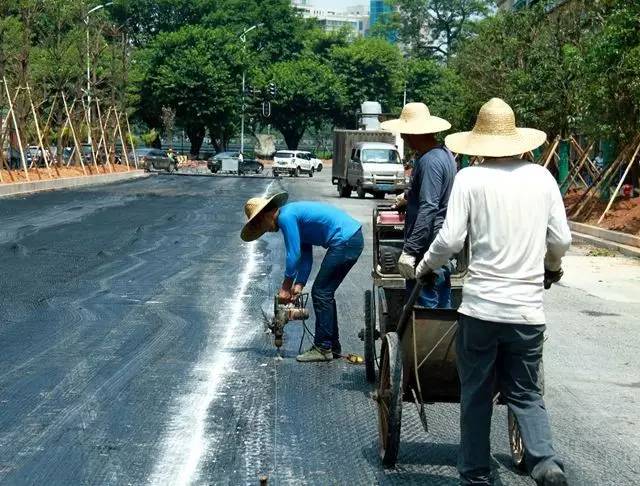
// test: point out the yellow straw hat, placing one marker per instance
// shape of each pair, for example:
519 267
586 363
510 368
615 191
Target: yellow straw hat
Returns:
254 208
495 134
415 119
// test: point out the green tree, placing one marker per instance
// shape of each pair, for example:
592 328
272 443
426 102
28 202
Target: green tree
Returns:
611 78
434 27
439 87
196 71
370 69
308 93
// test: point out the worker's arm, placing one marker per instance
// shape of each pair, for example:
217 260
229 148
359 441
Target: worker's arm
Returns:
452 235
429 201
304 265
291 234
558 232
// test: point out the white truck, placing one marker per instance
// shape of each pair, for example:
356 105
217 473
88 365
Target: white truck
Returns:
367 162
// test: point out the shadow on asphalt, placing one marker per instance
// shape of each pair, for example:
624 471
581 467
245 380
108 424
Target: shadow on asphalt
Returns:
411 454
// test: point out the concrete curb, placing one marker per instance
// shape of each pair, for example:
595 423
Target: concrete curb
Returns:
586 234
18 188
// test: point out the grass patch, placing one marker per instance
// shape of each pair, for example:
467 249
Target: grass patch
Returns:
601 252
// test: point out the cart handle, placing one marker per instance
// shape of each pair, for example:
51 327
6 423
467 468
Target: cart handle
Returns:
408 307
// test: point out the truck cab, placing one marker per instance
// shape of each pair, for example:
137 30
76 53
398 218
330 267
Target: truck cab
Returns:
375 168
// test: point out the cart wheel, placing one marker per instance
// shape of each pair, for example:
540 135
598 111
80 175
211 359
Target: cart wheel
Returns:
369 338
389 397
515 442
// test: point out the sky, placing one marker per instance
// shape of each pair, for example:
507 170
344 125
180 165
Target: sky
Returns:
337 4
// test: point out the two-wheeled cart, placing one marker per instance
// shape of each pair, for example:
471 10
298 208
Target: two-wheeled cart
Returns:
417 361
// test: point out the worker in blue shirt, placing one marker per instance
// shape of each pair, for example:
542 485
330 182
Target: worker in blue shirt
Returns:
305 225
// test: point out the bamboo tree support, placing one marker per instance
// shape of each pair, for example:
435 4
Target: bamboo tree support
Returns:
103 142
133 147
624 176
550 152
45 153
93 151
590 166
578 167
15 125
73 134
602 178
124 145
47 126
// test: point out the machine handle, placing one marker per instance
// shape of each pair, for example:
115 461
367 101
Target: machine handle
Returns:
408 307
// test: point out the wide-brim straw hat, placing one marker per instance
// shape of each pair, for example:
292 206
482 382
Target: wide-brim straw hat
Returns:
495 134
416 119
254 208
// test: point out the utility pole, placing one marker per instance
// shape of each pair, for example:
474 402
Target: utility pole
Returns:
243 39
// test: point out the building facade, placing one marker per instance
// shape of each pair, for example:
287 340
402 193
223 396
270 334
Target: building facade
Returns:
355 18
377 8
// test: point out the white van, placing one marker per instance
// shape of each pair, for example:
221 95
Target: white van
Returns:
376 168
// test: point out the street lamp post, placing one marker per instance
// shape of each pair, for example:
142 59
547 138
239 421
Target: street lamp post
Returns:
86 21
243 39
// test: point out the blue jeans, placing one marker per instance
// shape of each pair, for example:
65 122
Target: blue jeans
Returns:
439 297
335 267
512 355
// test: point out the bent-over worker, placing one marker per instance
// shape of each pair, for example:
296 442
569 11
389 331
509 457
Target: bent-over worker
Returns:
305 225
426 199
514 216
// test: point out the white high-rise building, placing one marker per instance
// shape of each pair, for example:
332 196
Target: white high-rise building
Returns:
355 18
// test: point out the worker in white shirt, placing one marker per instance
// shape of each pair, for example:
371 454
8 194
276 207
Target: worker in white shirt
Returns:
514 216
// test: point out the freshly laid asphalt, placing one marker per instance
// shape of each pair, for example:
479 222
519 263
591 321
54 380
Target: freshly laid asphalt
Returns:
133 352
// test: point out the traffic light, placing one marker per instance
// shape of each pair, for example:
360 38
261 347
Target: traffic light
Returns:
272 89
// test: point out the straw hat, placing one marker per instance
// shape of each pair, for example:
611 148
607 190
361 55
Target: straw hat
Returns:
254 208
415 119
495 134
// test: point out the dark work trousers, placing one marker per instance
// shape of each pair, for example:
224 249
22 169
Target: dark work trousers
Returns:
512 355
335 267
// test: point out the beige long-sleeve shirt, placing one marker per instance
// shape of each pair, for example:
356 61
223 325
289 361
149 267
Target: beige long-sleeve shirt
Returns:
514 215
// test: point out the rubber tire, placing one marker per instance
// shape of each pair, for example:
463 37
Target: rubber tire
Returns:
296 172
379 195
391 376
369 338
319 168
311 172
515 442
360 191
172 168
260 169
344 189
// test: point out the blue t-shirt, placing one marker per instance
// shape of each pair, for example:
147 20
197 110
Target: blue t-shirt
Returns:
307 224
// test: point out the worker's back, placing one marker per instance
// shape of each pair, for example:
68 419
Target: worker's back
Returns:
511 205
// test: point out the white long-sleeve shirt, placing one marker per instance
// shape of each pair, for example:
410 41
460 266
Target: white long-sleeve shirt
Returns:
514 215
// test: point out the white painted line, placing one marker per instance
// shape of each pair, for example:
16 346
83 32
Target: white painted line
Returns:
186 444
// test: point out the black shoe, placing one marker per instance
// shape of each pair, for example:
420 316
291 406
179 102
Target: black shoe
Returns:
337 352
554 477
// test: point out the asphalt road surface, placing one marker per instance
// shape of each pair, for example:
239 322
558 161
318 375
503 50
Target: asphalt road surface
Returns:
133 352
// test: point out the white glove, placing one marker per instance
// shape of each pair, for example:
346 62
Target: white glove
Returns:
400 201
422 269
407 266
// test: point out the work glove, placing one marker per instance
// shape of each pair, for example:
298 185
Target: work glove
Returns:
423 269
400 203
296 291
551 277
407 266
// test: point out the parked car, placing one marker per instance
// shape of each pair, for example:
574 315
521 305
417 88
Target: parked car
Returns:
293 162
214 164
